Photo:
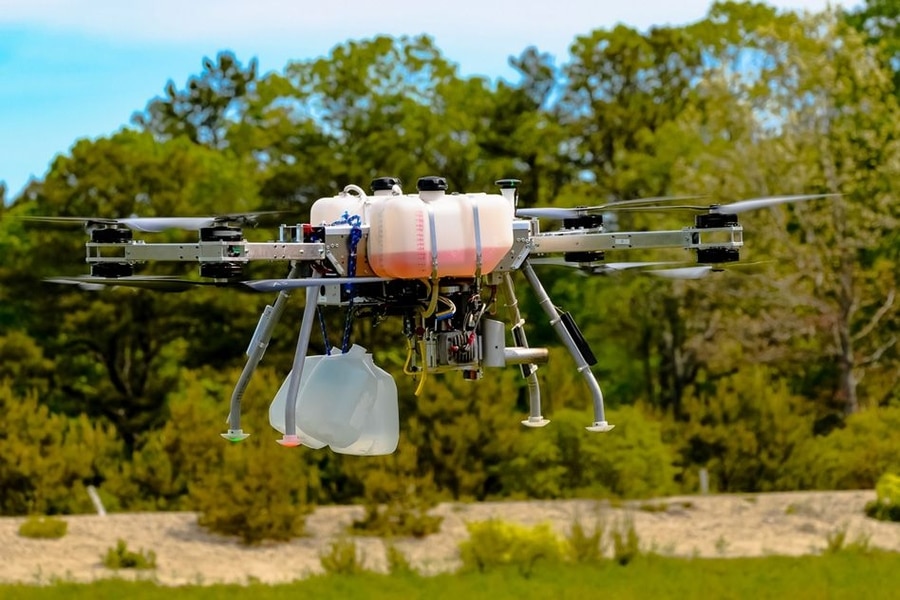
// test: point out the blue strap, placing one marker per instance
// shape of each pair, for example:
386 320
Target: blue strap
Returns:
355 222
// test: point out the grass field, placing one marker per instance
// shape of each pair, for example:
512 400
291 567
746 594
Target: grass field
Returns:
842 575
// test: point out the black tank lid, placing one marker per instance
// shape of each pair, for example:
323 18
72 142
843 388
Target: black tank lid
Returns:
432 183
508 184
384 183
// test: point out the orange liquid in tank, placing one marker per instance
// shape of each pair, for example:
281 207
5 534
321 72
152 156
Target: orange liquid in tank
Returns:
417 264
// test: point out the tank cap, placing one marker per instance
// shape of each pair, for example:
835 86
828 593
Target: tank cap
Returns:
384 183
431 183
508 184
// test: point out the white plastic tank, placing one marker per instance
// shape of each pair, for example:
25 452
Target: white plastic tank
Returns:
352 201
406 233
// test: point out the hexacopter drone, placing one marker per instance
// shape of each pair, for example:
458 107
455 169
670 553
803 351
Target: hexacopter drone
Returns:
438 261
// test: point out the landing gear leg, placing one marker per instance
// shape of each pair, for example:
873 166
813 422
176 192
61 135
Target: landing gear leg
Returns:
529 371
556 320
255 352
290 437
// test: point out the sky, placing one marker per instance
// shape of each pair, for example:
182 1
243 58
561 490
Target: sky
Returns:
72 69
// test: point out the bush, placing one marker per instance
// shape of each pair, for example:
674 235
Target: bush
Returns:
493 544
585 546
854 457
564 461
342 558
397 562
746 430
38 527
120 557
836 542
886 507
256 490
625 541
46 458
397 498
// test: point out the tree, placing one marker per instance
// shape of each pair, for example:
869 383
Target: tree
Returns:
112 349
832 126
204 110
879 22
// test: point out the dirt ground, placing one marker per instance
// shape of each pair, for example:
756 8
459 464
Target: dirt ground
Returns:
703 526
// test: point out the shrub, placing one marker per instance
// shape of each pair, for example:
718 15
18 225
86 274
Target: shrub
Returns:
585 546
886 507
397 562
564 462
47 458
120 557
854 457
256 490
342 558
625 541
397 498
746 430
493 544
400 518
836 542
43 528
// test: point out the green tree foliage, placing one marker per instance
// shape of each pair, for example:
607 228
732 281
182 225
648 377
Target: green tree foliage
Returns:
397 498
46 459
853 457
22 363
886 506
563 460
744 429
748 102
255 490
203 111
112 349
879 22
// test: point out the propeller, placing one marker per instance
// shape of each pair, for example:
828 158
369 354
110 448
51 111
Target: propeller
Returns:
641 205
164 283
701 271
160 283
157 224
580 211
600 268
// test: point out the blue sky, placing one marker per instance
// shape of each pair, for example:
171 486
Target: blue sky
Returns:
72 69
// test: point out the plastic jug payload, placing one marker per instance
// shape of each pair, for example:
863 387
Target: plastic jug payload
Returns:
346 402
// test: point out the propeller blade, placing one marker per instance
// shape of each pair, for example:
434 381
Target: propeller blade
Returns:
611 266
159 283
755 203
276 285
700 271
697 272
159 224
580 211
85 221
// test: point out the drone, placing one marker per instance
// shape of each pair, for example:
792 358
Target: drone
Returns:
441 262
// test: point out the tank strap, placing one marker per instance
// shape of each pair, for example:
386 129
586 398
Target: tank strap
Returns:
434 246
478 255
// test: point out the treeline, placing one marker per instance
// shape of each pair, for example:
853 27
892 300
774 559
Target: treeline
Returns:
777 380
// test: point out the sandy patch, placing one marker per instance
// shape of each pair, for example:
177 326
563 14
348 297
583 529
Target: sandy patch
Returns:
705 526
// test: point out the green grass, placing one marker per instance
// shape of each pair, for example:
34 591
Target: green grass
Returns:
843 575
